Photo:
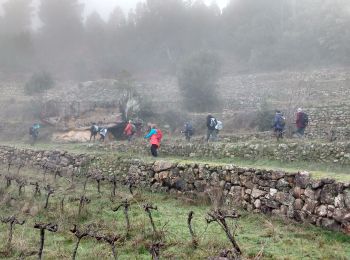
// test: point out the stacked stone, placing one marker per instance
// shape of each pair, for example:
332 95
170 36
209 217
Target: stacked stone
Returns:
293 195
323 202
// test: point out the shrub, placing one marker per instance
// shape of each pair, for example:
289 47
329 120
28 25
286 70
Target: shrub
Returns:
197 79
38 83
264 117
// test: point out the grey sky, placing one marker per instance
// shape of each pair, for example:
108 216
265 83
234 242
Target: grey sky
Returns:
104 7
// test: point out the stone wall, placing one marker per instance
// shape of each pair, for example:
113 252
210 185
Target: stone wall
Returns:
337 153
330 120
296 196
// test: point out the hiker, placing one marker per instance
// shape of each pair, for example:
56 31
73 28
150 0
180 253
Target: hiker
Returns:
34 132
279 124
130 130
301 122
214 127
211 124
188 130
155 136
103 134
93 131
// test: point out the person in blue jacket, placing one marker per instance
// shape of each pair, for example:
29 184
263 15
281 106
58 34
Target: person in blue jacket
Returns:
155 137
279 125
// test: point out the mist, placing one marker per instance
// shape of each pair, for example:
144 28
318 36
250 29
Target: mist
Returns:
75 41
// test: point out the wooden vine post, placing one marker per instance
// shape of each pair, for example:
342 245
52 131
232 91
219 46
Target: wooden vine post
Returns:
148 207
12 221
126 205
220 217
42 227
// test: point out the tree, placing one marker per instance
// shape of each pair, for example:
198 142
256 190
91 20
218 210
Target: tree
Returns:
95 30
38 83
16 47
130 100
62 20
17 17
197 79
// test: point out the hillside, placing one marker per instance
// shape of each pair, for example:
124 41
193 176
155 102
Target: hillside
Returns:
71 105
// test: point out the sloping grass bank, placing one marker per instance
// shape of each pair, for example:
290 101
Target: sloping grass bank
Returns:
272 237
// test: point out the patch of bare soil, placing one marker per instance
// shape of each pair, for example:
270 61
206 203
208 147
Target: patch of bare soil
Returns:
71 136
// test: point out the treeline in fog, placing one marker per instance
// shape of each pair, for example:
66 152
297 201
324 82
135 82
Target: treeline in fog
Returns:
156 36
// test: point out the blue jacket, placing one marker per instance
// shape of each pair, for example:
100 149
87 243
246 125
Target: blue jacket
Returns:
278 122
152 132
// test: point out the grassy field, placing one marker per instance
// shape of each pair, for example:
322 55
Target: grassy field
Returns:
273 237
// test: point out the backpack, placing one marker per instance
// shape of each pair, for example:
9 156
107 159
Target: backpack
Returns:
304 119
188 127
133 128
213 122
282 121
219 125
94 129
159 135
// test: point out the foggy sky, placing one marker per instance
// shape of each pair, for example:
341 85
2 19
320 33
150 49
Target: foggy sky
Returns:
104 7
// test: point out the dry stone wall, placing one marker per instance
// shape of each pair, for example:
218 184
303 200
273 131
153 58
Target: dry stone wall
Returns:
296 196
337 153
330 122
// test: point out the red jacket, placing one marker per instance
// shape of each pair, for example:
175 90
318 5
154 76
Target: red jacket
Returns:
299 121
128 129
155 137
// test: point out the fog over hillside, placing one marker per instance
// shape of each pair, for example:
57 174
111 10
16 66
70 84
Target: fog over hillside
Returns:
75 42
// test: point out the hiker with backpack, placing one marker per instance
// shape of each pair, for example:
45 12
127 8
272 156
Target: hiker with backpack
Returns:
34 132
301 122
103 133
188 131
279 124
93 131
155 136
211 124
214 127
130 130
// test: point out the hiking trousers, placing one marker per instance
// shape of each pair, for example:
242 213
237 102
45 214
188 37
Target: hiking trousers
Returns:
301 131
154 149
212 134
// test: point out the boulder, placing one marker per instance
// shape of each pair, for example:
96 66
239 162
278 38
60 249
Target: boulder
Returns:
297 192
285 198
298 204
200 186
339 201
312 194
330 224
257 204
256 193
162 166
321 211
282 185
302 179
272 192
328 194
309 206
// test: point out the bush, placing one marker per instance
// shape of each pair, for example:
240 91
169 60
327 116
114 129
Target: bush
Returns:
38 83
264 118
197 79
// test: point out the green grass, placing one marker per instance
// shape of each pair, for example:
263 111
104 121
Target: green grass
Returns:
277 238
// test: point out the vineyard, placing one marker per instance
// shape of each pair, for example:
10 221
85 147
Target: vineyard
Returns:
46 214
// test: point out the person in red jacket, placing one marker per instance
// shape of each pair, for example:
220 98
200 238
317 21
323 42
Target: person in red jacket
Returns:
301 122
155 137
130 130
